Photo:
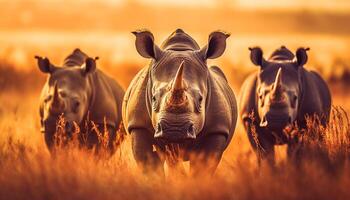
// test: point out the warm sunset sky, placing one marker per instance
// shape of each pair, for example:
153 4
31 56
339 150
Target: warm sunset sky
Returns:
328 5
42 26
335 5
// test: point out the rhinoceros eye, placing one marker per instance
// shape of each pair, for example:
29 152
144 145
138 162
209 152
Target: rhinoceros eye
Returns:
155 103
63 94
261 95
76 105
200 99
48 98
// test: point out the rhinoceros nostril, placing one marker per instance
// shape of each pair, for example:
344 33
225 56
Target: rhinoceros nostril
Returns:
159 131
159 127
191 132
190 128
263 122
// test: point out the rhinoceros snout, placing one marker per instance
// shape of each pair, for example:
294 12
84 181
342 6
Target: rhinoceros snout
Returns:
275 120
169 133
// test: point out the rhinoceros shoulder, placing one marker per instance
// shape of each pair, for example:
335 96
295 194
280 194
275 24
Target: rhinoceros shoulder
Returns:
134 109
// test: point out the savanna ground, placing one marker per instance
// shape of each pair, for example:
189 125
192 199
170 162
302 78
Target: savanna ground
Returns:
28 171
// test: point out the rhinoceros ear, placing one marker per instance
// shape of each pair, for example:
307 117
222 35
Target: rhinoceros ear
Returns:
216 45
45 65
145 44
89 66
256 56
302 56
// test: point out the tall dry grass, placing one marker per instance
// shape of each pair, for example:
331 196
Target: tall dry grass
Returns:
28 171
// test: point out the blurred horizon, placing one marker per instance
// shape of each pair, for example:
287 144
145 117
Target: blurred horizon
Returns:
103 28
127 15
325 5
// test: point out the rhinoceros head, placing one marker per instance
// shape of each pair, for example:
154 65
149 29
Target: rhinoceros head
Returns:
279 87
67 90
178 84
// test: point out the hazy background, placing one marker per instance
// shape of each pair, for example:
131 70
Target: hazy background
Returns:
102 28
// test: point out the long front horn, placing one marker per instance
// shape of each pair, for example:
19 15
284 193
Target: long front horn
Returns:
178 87
277 85
178 81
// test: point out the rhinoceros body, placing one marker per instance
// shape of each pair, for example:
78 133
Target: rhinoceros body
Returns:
281 93
82 94
177 99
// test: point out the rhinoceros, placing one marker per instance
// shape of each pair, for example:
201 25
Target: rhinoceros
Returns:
177 100
281 94
82 94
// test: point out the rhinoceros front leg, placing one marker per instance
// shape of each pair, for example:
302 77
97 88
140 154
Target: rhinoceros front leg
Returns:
261 143
207 155
142 148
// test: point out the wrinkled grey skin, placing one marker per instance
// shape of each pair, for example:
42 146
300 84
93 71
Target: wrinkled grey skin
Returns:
281 93
80 92
178 99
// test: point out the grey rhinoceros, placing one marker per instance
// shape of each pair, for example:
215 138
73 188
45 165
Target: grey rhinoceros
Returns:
82 94
280 94
177 100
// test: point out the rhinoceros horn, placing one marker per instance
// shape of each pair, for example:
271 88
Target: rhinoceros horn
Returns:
277 86
178 82
178 87
56 104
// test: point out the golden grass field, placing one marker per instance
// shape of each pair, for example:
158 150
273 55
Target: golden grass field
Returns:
28 171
